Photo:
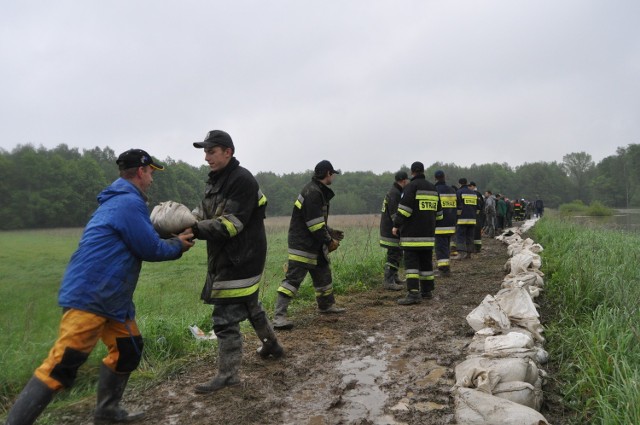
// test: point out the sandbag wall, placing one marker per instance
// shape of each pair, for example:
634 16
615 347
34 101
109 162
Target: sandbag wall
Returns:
500 382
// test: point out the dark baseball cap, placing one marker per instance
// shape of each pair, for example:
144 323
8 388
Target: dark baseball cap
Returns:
401 175
439 174
472 183
417 167
137 158
463 181
322 167
216 138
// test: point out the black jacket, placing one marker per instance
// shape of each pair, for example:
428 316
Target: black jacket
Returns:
448 200
232 222
418 211
467 206
388 212
308 230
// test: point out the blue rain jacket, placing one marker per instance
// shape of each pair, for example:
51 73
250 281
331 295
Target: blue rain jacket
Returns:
103 272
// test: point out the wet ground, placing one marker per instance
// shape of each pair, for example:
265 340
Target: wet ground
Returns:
380 363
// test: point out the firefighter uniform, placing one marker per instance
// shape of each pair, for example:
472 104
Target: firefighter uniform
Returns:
480 219
388 240
445 228
467 206
418 211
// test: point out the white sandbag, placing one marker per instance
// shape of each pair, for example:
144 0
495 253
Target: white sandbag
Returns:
488 314
537 354
170 218
484 374
520 262
531 324
529 277
476 346
517 303
522 393
507 342
474 407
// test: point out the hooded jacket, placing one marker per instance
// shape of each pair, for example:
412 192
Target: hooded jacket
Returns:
418 211
232 222
103 272
308 230
388 212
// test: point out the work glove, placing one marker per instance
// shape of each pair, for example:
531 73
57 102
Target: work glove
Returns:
333 245
336 234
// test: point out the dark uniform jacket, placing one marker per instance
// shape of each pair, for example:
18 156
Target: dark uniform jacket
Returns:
232 222
448 200
388 212
418 211
309 233
467 206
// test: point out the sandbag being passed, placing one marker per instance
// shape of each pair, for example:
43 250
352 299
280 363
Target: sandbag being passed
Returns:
170 218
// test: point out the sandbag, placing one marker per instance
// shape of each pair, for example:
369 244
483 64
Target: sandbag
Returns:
484 374
508 341
522 393
488 314
474 407
516 303
170 218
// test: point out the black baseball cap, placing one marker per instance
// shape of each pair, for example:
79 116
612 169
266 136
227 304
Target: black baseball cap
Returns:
417 167
216 138
439 174
134 158
322 167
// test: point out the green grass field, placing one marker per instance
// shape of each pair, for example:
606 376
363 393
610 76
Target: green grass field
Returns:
593 284
167 298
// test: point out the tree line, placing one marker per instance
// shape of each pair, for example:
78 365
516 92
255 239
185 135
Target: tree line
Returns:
45 188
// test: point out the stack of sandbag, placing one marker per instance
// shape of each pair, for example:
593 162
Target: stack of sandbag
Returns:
501 380
170 218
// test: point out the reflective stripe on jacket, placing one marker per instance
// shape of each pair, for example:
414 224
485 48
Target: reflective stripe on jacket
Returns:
418 210
389 210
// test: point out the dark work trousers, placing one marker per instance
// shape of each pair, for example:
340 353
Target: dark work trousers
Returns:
443 251
394 257
418 268
464 238
477 236
321 277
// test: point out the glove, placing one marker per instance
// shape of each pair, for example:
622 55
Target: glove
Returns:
336 234
333 245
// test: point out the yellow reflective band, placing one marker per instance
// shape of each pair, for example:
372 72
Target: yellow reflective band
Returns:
387 243
298 204
236 292
467 221
412 276
262 201
286 292
316 227
324 293
301 259
416 244
404 213
430 277
229 226
445 230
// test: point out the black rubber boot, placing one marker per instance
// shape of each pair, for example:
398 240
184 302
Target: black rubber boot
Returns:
280 321
390 280
413 297
111 386
33 399
270 346
229 358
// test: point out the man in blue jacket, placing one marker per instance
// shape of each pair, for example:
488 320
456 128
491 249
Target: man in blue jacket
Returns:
96 295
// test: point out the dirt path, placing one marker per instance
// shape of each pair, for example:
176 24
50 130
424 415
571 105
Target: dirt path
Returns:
380 363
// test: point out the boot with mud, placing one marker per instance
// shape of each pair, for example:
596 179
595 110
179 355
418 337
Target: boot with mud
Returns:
390 276
280 321
111 386
30 403
327 305
413 297
460 256
270 346
229 358
444 271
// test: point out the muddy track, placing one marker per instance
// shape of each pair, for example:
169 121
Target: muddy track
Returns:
380 363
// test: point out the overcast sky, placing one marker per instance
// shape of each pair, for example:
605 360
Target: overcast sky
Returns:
369 85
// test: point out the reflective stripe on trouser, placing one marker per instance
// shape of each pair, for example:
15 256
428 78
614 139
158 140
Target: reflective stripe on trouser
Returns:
320 276
79 333
477 236
443 250
464 238
419 270
394 257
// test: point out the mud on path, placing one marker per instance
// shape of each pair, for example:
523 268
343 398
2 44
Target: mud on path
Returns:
380 363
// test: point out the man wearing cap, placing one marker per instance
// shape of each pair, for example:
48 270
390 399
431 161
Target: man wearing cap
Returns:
467 207
310 241
387 239
96 295
231 220
415 224
446 227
